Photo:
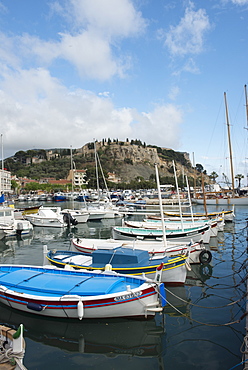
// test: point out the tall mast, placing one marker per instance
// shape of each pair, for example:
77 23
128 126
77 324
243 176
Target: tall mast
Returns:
246 106
1 172
2 150
97 177
160 205
229 144
72 178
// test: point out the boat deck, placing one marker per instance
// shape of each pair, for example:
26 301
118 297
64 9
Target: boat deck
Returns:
49 282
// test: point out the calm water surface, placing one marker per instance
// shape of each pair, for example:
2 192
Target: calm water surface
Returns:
194 331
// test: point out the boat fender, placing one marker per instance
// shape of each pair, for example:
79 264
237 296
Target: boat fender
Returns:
162 294
108 267
35 306
205 257
159 272
80 309
187 264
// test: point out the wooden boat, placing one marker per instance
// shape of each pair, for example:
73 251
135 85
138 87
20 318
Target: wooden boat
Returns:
12 348
228 215
125 261
74 294
176 225
31 209
197 253
216 199
196 234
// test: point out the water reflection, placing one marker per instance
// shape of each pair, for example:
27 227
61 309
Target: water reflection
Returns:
182 338
177 301
198 275
114 336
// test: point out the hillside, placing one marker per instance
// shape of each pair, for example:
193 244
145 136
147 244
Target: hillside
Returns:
128 160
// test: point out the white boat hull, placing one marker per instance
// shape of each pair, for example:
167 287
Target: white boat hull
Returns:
141 301
237 201
157 248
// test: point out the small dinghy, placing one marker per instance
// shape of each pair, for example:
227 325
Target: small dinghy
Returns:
79 294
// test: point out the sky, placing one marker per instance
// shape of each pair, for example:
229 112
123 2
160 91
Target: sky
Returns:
72 71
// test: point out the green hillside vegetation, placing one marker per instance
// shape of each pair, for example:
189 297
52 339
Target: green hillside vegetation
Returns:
57 166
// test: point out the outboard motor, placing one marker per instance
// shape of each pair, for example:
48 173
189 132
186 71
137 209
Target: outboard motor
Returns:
19 229
69 220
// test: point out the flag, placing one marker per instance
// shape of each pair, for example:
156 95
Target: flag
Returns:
2 198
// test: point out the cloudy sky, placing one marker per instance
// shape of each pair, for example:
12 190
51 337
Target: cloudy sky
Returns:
154 70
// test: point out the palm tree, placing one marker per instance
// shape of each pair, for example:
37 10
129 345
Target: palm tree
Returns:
239 177
213 176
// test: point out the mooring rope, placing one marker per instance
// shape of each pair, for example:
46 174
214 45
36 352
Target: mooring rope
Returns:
196 305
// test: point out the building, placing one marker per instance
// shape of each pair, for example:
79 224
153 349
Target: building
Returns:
5 182
113 178
78 176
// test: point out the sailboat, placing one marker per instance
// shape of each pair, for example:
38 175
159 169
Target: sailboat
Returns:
106 209
225 198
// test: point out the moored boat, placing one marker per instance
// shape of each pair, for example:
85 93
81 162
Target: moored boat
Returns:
70 294
11 226
197 252
49 217
196 234
125 261
227 214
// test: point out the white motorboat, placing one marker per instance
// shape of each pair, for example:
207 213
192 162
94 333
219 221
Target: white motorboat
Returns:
80 216
10 226
46 217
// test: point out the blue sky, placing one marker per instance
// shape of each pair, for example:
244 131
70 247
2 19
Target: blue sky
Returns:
154 70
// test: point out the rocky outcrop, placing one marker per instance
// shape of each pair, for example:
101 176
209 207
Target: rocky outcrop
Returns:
132 161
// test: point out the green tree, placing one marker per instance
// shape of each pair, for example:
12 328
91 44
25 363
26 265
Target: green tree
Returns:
213 176
239 177
199 167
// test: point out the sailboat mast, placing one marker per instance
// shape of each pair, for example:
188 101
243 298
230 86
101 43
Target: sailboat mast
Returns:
160 205
246 106
97 177
229 143
72 178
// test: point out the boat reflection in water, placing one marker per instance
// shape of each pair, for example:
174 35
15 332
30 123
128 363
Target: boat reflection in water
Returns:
110 337
198 275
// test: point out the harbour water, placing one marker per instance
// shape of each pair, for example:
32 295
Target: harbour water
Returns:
202 326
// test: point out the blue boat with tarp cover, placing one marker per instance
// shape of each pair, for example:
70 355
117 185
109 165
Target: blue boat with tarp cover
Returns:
61 293
125 261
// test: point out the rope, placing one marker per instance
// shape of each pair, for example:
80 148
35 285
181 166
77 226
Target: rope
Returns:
9 356
203 323
196 305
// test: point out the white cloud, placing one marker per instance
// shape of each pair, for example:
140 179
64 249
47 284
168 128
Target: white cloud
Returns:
240 2
188 36
161 126
38 112
91 47
174 92
110 18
